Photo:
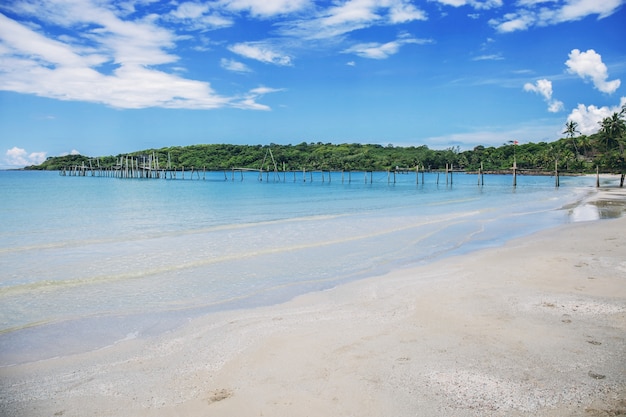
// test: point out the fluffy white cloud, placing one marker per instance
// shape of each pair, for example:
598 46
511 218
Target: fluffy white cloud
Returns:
545 13
261 51
405 12
375 50
512 22
589 65
589 117
543 87
67 70
18 157
235 66
111 60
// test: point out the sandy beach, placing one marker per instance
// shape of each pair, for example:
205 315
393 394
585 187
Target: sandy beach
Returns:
534 328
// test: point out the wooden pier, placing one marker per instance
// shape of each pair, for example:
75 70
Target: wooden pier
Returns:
148 167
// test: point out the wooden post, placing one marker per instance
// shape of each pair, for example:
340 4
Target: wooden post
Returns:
514 176
597 176
556 172
481 177
514 169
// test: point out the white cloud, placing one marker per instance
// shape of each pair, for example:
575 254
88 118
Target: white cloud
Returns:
235 66
266 8
579 9
555 106
261 51
265 90
110 60
402 12
589 117
72 152
512 22
249 101
477 4
19 158
589 65
491 57
352 15
538 131
543 87
32 63
198 16
375 50
546 13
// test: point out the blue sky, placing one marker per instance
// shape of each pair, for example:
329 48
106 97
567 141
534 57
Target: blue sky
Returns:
103 77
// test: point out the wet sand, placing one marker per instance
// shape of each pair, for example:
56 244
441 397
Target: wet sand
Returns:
534 328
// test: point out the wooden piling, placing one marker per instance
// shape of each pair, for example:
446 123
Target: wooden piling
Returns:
556 173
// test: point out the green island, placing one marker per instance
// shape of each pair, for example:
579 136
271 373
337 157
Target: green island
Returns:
574 154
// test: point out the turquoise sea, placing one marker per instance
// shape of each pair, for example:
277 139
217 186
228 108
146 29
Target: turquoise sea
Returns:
87 261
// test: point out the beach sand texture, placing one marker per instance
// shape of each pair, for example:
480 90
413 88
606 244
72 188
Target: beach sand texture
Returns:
534 328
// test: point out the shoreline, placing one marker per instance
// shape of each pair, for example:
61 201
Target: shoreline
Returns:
534 327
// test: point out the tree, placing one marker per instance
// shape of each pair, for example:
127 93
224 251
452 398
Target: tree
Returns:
571 129
612 133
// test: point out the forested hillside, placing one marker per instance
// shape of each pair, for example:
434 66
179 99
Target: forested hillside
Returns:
575 153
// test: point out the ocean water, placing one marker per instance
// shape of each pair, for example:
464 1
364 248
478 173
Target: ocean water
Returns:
88 261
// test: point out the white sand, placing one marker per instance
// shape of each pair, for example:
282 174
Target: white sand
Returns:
536 328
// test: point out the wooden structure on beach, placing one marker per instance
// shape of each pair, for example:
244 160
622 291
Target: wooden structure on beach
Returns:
149 167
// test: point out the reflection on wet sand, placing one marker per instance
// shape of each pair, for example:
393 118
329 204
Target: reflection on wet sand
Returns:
610 205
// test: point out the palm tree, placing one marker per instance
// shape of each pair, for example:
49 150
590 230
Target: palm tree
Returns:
571 129
613 132
585 144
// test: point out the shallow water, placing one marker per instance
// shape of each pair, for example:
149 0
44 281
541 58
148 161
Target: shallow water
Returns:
88 261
